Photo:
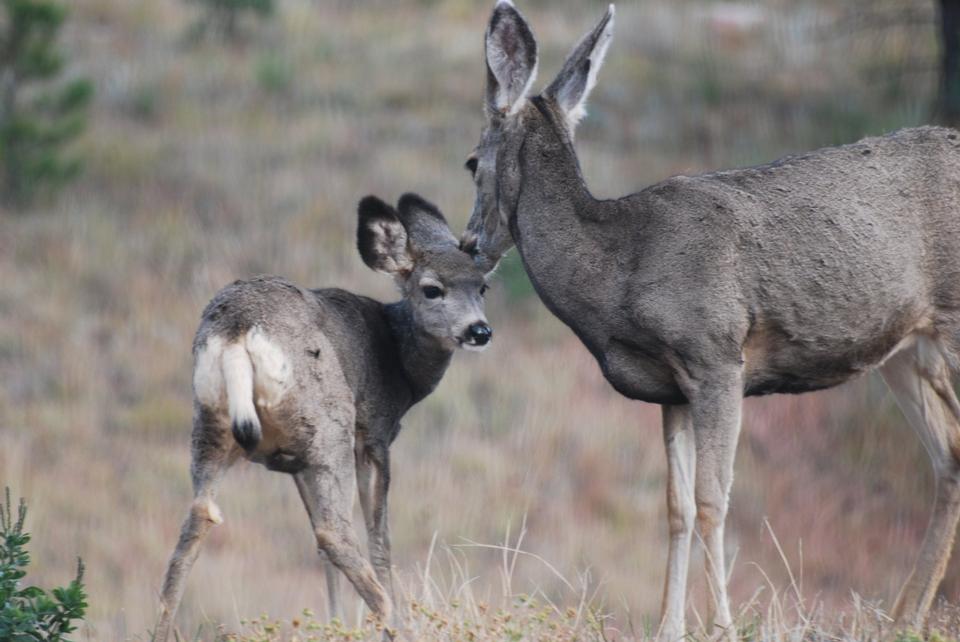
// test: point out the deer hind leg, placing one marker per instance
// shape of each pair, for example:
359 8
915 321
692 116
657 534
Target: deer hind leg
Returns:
213 452
327 488
681 512
920 380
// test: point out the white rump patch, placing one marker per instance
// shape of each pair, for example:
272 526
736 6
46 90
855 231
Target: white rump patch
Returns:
207 374
252 370
273 373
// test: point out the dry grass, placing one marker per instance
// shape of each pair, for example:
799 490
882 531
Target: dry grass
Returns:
210 163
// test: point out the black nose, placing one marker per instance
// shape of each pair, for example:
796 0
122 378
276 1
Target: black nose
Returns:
480 333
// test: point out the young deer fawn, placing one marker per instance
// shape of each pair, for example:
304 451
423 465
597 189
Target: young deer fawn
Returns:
314 383
700 290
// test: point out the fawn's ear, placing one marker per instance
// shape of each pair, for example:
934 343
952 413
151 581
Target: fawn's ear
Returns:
425 224
576 79
382 238
511 53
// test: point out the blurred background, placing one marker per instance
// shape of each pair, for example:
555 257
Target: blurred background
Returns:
189 145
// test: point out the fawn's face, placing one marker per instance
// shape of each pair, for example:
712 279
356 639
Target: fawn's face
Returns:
496 163
446 291
443 285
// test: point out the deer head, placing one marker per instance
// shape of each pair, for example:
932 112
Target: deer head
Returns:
443 287
495 164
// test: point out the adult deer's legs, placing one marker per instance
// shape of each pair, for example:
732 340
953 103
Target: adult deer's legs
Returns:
213 452
681 512
920 380
715 406
327 489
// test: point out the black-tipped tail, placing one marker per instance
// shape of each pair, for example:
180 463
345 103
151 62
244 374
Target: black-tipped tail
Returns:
247 434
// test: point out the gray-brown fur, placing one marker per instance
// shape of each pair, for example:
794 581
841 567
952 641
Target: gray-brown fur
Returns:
698 291
332 373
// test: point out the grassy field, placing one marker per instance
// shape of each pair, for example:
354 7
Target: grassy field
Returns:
208 162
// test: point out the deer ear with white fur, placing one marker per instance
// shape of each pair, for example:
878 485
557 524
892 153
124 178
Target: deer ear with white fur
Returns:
578 76
382 238
511 53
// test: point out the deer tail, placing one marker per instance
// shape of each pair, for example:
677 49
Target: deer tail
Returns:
238 375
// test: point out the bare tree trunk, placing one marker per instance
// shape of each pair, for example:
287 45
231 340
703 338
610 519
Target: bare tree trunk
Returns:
948 109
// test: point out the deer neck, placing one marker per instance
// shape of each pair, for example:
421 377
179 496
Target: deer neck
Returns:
423 358
565 237
553 200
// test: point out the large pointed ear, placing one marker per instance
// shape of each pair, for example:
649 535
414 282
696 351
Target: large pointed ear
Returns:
579 73
424 223
382 238
511 53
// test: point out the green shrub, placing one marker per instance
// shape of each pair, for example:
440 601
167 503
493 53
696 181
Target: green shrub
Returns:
514 277
32 613
36 121
274 73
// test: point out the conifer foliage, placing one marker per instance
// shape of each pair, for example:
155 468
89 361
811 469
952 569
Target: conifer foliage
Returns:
31 613
39 116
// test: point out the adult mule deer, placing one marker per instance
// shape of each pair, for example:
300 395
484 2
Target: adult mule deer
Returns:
698 291
314 383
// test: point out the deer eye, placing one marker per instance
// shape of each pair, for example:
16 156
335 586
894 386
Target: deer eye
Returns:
432 291
483 289
471 164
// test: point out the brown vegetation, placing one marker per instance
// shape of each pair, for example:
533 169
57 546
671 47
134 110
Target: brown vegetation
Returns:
209 162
